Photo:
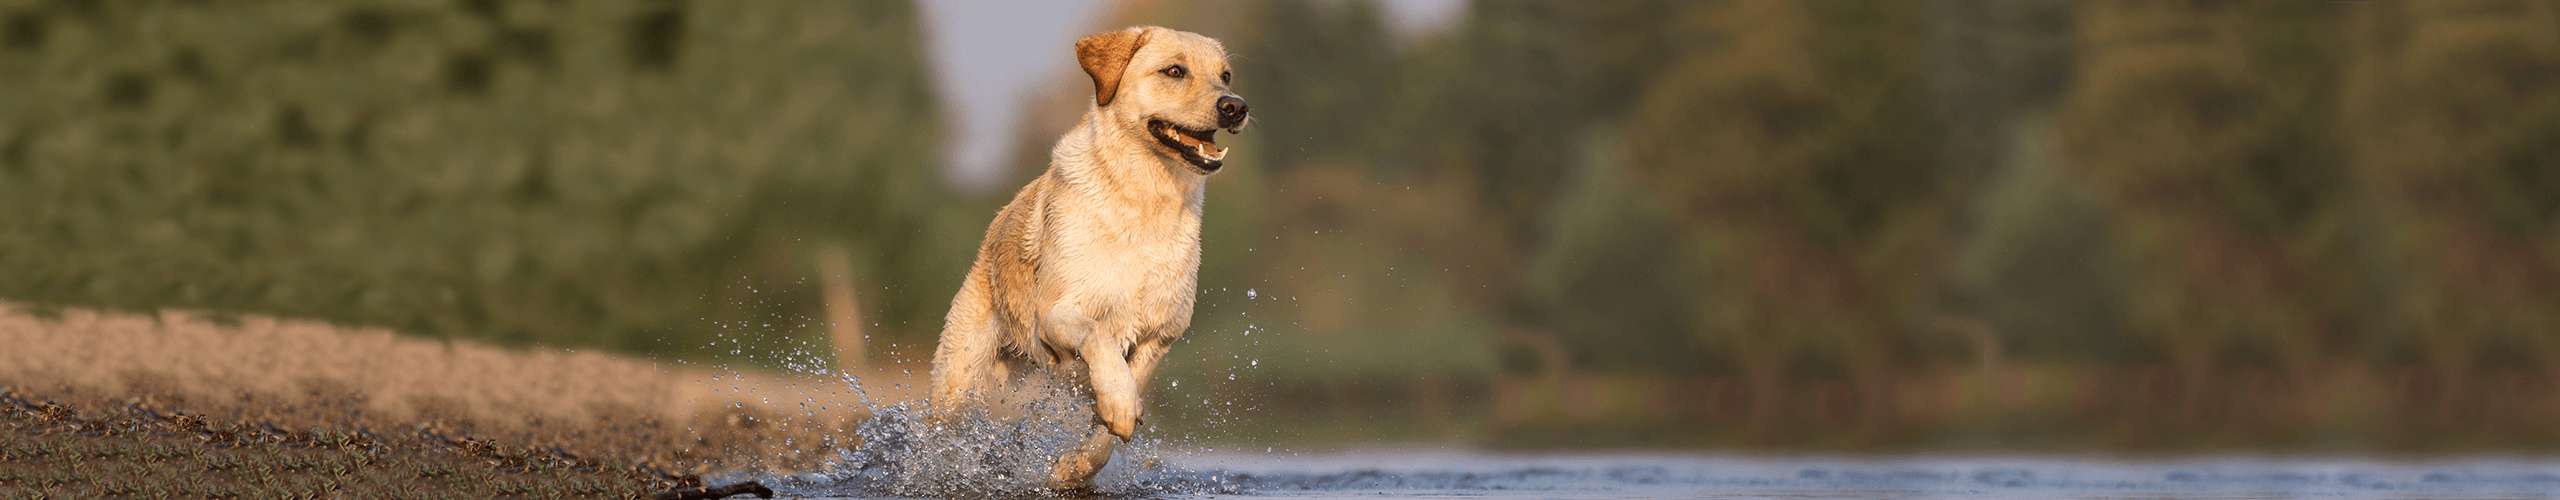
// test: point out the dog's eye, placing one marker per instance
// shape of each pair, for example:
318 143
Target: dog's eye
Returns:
1226 77
1176 71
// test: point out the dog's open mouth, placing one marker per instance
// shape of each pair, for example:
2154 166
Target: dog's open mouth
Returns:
1200 147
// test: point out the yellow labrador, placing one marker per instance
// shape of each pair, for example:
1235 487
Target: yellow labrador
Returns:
1096 262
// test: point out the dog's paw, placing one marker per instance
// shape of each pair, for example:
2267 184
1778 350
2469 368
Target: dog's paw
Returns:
1072 476
1120 414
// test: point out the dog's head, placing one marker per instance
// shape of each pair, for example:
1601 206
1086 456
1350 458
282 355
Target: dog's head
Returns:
1173 84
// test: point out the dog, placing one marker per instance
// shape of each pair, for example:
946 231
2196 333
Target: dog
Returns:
1090 271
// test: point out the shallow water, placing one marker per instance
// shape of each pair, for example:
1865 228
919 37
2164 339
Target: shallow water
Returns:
1464 474
981 454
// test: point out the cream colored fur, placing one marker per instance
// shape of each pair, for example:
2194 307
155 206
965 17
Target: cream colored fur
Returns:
1091 269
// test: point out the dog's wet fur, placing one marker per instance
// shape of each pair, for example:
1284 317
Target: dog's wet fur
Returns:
1091 270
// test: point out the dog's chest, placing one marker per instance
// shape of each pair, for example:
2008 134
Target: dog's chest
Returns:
1141 264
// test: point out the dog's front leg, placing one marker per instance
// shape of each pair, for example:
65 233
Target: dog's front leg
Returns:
1142 368
1115 405
1075 470
1115 391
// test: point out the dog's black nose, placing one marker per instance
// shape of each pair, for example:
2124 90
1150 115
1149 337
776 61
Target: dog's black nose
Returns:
1231 111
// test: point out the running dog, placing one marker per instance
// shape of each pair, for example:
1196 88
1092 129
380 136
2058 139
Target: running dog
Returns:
1092 268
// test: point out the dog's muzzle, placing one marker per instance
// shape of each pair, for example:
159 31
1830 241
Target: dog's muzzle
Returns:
1231 112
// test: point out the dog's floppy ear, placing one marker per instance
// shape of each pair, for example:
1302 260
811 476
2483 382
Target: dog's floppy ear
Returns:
1105 55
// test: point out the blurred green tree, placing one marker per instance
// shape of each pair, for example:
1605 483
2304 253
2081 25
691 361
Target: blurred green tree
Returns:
2452 111
589 173
2202 128
1799 153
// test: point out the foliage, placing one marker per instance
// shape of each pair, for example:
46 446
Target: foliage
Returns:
2203 129
595 173
2452 116
1798 167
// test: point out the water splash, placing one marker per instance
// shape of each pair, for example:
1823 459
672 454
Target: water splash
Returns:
1000 448
904 451
908 451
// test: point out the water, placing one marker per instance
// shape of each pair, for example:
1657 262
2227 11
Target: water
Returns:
1466 474
1007 452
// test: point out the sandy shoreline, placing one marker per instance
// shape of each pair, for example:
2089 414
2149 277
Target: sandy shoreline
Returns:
319 379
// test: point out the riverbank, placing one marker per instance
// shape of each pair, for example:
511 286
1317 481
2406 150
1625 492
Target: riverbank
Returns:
176 403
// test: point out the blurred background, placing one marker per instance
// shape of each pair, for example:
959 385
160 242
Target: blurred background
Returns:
1747 224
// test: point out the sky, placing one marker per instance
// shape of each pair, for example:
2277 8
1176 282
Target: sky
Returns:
988 53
